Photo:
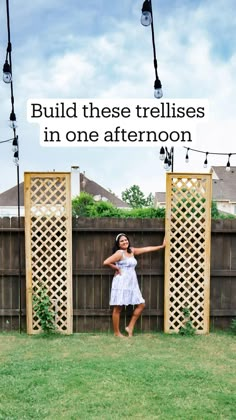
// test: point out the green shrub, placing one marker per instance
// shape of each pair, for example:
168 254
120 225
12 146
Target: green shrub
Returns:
216 214
214 210
82 205
233 326
104 209
42 307
149 212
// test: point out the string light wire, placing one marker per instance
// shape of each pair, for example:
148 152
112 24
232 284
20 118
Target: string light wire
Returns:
9 79
6 141
229 154
147 20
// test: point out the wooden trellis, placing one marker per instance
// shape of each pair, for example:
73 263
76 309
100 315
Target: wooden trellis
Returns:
48 236
187 256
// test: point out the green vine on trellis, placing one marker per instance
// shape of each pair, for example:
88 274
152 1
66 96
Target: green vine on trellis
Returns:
187 329
43 309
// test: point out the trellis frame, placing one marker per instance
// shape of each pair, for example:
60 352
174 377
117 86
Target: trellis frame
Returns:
48 243
187 254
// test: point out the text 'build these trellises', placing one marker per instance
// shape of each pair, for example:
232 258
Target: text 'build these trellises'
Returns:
117 123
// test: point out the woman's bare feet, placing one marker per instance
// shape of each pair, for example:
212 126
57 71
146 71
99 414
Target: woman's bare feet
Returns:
130 332
119 335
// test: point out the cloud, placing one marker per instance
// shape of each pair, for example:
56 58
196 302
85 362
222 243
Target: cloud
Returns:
99 49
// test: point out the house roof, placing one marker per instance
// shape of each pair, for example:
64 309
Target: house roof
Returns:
224 183
9 198
94 189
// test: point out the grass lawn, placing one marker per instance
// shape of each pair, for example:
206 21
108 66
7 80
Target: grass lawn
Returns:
98 376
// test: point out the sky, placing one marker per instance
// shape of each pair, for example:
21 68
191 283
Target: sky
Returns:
98 49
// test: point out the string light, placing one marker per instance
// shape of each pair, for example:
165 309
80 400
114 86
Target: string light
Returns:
16 157
168 157
205 161
7 71
162 153
186 157
166 163
12 123
15 144
7 78
147 20
158 89
228 163
206 156
146 17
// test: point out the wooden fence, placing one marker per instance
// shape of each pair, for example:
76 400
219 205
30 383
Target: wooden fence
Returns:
92 243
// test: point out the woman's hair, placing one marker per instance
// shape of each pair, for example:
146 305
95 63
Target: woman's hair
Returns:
117 246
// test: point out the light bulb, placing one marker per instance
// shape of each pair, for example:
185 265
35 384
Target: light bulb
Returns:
205 161
158 93
15 144
12 122
186 157
16 158
169 163
228 164
146 18
162 153
7 78
166 163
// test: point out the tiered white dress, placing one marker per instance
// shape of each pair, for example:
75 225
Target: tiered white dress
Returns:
125 289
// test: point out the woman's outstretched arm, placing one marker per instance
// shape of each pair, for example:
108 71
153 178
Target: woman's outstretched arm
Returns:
138 251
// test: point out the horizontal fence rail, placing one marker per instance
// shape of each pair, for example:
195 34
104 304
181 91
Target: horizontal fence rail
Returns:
92 243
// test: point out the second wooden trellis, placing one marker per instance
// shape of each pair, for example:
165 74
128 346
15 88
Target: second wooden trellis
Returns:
187 256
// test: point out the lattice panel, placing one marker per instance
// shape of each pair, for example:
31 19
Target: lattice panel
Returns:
48 246
187 256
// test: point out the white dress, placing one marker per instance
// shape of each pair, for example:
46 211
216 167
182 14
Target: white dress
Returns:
125 289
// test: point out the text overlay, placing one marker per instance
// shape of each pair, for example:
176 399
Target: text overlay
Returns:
117 122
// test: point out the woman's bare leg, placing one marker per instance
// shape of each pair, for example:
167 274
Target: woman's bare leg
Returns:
116 321
136 314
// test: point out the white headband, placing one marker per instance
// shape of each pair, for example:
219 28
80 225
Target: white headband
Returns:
120 234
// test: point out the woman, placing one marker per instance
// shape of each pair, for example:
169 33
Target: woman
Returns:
125 289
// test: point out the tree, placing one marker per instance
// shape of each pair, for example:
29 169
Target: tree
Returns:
136 198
